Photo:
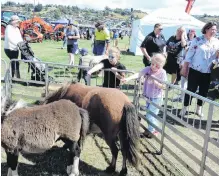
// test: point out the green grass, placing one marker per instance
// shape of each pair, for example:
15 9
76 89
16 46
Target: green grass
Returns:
50 51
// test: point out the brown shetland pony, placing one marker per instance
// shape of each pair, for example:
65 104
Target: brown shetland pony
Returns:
111 110
36 129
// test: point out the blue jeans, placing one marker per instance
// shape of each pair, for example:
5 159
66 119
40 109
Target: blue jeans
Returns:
153 109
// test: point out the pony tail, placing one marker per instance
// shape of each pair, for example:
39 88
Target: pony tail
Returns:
131 133
57 95
84 125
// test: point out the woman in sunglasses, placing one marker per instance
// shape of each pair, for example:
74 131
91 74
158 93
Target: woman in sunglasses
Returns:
111 78
197 65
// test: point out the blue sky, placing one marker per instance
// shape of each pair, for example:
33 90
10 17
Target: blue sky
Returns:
200 6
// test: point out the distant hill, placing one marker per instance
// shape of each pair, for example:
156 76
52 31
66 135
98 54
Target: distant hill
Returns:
206 18
87 16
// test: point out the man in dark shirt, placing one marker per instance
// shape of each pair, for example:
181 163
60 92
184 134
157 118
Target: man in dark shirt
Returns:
153 43
111 78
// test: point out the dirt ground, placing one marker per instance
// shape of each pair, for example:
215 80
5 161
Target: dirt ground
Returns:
95 158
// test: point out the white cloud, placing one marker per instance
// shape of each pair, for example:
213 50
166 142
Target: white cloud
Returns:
200 6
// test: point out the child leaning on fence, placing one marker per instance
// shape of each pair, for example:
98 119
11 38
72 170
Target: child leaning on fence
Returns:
153 89
111 78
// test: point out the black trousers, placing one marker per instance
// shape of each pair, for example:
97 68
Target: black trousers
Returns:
178 76
14 65
197 79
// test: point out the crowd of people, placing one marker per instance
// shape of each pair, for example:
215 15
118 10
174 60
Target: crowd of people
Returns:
185 56
189 60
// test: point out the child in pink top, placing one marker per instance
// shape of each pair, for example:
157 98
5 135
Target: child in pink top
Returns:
153 89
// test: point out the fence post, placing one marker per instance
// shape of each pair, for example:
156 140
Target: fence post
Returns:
88 77
164 119
9 84
138 94
46 80
206 139
135 93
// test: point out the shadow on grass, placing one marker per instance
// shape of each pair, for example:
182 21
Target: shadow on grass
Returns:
127 52
52 162
146 152
95 136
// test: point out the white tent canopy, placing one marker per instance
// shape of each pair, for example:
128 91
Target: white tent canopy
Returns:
171 19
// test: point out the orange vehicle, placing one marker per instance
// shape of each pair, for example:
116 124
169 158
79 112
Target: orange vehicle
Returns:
38 27
59 31
46 28
32 35
30 32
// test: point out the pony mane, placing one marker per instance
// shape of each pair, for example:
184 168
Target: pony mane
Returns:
16 105
57 94
5 102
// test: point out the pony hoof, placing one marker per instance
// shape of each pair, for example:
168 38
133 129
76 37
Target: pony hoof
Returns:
110 169
123 172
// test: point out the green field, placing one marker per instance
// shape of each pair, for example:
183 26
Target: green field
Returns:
50 51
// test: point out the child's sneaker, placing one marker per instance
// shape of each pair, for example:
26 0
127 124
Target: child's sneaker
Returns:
155 133
199 111
146 134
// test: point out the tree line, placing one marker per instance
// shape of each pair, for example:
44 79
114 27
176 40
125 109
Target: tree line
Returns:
61 11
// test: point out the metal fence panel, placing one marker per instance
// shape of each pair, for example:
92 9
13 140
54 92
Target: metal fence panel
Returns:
194 138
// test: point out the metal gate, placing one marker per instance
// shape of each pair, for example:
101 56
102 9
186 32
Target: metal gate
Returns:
192 141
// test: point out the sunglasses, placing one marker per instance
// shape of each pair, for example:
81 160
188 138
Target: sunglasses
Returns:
160 29
111 58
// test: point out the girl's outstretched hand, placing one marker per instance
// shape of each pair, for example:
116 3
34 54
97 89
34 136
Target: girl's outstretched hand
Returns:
123 80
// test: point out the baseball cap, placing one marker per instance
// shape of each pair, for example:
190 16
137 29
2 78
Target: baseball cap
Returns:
98 24
14 19
83 51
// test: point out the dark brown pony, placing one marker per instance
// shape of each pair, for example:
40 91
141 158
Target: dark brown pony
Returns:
111 110
36 129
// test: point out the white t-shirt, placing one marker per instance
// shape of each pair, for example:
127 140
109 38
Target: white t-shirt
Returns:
12 37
